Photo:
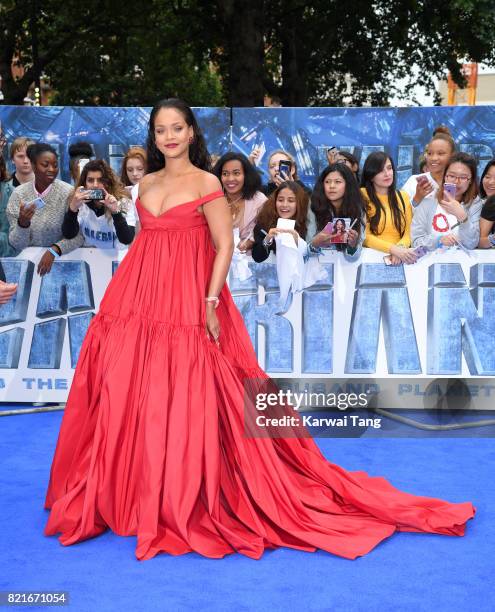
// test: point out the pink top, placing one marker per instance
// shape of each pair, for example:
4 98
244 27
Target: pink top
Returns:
251 210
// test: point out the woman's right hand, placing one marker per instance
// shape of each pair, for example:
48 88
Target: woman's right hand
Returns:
321 239
406 255
254 155
212 324
26 212
78 199
7 291
423 188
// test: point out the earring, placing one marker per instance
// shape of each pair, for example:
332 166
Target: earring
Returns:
191 140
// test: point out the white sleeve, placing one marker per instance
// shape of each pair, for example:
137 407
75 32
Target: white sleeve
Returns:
410 187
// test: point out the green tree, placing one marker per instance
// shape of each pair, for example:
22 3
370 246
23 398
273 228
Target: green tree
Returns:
319 52
106 53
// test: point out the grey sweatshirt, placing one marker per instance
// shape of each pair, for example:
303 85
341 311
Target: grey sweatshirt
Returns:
46 224
421 226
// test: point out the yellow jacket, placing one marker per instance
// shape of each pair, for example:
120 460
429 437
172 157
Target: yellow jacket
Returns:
388 235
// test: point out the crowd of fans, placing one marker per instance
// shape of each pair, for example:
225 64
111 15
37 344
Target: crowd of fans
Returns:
445 206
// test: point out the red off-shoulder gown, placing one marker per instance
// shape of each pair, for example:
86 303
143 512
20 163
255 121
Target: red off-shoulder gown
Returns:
152 442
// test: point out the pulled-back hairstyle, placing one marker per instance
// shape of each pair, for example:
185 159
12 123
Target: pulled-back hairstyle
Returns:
374 164
198 153
268 215
352 202
472 191
442 132
489 165
289 157
132 153
35 150
252 180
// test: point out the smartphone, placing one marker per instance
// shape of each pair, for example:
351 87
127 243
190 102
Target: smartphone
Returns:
284 168
38 202
449 188
95 194
421 251
328 229
387 260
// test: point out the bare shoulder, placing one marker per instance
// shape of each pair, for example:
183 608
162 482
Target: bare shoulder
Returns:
146 182
209 183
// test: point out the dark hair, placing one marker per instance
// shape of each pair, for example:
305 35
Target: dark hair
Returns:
489 165
268 215
4 175
442 132
35 150
198 153
340 221
352 159
80 149
77 151
109 178
374 164
352 202
252 180
470 162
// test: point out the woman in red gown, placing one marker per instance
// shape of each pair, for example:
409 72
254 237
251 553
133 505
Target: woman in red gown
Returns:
152 441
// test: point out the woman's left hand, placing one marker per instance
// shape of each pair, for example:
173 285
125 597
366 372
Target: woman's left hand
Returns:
111 202
453 207
45 263
352 238
448 240
212 324
245 245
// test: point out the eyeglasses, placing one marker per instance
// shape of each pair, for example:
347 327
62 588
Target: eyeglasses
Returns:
454 178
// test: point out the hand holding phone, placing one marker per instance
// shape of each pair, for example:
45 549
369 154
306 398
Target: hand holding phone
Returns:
94 194
284 170
37 202
450 189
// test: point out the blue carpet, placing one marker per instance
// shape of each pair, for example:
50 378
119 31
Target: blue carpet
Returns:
406 572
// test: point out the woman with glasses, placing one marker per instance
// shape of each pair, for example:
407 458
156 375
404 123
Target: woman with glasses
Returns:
453 218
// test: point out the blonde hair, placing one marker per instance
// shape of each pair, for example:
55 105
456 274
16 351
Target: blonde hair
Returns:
20 143
288 155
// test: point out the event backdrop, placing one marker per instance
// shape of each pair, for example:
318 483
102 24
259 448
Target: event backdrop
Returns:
365 319
305 132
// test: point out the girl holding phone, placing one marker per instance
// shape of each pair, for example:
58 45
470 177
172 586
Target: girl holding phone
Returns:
108 223
36 209
336 195
451 219
388 210
423 188
281 167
